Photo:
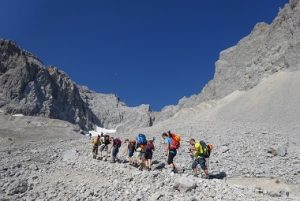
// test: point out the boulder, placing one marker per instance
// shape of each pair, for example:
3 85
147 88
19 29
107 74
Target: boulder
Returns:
17 187
185 184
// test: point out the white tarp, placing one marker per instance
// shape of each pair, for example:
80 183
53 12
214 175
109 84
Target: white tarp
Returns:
100 130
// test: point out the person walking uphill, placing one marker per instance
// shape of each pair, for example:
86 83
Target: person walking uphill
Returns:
115 149
104 141
172 142
96 143
130 150
201 153
149 154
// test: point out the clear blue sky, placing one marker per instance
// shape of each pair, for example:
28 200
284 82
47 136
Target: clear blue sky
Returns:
144 51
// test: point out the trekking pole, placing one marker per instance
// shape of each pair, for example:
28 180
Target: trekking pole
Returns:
207 163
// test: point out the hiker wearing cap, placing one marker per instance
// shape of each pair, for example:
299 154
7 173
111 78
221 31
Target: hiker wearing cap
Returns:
172 142
201 153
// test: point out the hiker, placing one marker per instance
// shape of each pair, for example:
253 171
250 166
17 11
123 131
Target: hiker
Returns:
172 142
141 142
96 143
201 153
149 154
90 136
115 149
130 150
104 141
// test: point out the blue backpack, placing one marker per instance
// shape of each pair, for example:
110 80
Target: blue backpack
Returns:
141 139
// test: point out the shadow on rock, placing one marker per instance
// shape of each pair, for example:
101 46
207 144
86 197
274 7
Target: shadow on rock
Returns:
220 175
160 166
155 162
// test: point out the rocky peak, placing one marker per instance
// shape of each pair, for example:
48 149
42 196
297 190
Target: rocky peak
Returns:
30 88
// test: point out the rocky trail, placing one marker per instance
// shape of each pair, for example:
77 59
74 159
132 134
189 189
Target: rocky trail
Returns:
60 167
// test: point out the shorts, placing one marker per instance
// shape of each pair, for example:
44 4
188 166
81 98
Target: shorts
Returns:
172 154
103 147
130 153
140 154
148 155
201 161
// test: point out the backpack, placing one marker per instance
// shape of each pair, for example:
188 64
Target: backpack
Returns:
106 140
149 148
206 149
117 142
175 142
141 139
96 141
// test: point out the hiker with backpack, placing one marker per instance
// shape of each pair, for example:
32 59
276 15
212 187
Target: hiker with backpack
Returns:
104 141
149 154
130 150
141 142
96 143
115 149
201 152
172 142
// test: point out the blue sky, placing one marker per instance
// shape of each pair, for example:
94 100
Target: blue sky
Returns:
151 52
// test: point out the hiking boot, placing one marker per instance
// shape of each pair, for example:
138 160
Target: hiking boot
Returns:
174 170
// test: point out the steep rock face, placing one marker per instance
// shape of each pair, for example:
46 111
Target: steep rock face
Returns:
113 113
265 51
29 88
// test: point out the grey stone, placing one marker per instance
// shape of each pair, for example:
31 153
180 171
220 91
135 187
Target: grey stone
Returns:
185 184
33 167
156 196
17 187
282 150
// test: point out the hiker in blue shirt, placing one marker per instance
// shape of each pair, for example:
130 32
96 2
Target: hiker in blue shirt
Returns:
170 151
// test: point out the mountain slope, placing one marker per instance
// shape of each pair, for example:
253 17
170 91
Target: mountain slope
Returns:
265 51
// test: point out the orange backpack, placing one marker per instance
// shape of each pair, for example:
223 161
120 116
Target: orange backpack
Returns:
175 144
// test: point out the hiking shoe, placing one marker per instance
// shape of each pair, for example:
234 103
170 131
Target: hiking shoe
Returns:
174 170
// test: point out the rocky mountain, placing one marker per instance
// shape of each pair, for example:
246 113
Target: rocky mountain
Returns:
265 51
31 88
114 113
